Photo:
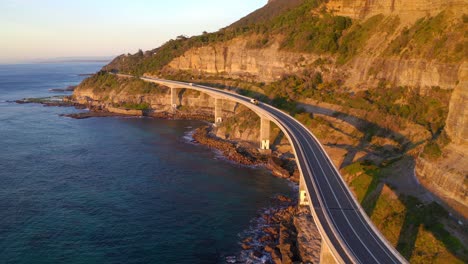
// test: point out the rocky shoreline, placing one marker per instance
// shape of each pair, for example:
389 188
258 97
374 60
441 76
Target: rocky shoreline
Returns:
281 234
228 149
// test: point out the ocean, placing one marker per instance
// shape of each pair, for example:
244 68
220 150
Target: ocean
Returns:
114 190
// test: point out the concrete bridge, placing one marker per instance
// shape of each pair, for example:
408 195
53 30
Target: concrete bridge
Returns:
348 235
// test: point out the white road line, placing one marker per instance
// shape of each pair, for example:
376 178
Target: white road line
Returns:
320 193
336 198
373 235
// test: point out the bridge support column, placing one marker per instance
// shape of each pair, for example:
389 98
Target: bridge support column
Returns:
218 111
326 255
264 133
303 198
174 98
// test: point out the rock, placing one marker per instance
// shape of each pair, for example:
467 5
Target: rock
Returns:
90 114
245 246
308 238
247 240
447 176
270 230
257 254
287 243
407 9
457 119
231 259
275 165
274 253
266 238
283 198
228 149
296 176
263 65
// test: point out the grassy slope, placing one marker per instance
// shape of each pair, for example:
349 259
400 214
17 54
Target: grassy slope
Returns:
415 229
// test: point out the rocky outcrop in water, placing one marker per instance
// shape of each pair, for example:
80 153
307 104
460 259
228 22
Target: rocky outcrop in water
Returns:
283 234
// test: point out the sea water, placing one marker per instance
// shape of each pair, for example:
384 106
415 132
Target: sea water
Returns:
113 190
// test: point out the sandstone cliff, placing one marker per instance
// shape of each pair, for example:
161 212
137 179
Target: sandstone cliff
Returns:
409 10
381 45
457 120
235 59
447 176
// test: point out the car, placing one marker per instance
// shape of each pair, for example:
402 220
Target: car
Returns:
254 101
191 84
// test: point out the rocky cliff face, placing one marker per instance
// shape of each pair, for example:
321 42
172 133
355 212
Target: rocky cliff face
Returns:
236 59
369 71
124 98
386 48
448 175
457 120
409 10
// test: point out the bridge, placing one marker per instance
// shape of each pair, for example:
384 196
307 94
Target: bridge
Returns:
348 235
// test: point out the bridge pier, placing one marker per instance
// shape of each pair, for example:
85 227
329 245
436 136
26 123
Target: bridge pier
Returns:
264 133
303 198
218 111
174 95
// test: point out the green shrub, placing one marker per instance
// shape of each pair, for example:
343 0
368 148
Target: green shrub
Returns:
134 106
432 150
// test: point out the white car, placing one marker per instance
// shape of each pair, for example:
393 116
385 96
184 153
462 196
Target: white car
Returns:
254 101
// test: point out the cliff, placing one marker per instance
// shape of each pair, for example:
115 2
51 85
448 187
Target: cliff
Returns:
235 59
372 50
447 175
409 10
457 120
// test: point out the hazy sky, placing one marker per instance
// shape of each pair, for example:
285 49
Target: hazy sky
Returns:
31 29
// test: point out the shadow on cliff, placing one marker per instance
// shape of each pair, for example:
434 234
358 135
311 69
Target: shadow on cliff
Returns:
368 129
415 216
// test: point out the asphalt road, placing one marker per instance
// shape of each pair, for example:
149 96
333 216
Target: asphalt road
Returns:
340 218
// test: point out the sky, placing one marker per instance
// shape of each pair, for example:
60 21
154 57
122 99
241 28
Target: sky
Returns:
33 30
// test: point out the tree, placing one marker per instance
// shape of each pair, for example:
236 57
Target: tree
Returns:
140 53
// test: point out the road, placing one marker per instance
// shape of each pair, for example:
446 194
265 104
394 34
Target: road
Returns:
342 222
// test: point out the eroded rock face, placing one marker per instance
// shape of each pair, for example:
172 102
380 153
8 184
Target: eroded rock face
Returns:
412 10
416 73
457 125
308 237
235 59
447 176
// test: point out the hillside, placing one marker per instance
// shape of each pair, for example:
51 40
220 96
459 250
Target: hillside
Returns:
364 48
383 84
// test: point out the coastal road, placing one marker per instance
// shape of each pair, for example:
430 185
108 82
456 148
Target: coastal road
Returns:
343 224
